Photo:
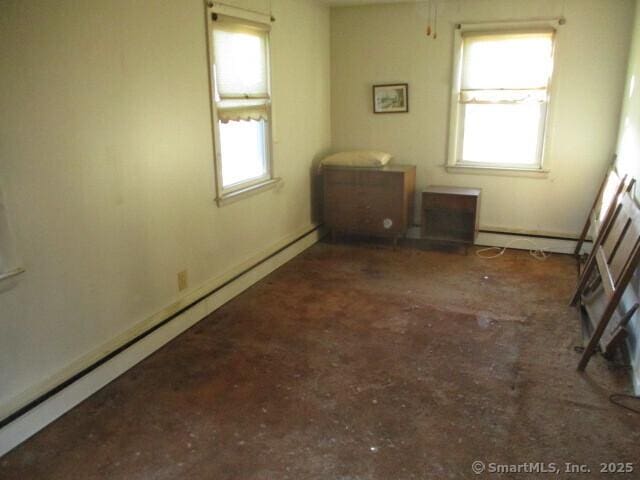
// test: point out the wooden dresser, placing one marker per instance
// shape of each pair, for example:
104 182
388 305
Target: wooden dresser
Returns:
369 201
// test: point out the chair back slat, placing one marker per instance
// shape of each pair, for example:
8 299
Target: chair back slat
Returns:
611 187
624 237
614 232
607 280
614 261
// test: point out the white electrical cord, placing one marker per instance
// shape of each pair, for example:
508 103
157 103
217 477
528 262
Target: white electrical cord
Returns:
536 252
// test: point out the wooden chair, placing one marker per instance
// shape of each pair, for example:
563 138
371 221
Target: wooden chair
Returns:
610 190
605 277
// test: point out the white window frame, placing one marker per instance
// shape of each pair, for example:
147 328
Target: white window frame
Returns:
8 257
231 193
454 164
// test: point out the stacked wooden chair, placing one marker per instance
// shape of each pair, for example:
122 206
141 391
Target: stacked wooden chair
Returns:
612 186
615 225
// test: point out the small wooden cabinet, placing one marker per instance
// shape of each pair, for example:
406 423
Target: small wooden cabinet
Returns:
369 201
450 214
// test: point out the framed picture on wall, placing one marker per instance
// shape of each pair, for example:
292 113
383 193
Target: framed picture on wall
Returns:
393 98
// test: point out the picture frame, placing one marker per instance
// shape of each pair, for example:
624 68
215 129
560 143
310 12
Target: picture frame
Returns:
391 98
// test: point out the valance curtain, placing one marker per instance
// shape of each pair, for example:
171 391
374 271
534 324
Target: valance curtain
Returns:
241 71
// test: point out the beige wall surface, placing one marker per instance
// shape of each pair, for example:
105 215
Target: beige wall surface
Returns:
629 138
629 162
106 165
387 43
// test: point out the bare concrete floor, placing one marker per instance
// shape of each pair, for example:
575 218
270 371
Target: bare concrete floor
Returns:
355 361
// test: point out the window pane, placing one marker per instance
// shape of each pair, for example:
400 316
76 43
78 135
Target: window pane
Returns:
241 62
501 134
507 61
243 151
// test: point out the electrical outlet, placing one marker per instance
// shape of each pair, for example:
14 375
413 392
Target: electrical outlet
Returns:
183 281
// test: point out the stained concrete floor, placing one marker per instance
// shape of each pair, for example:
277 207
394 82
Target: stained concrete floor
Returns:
355 361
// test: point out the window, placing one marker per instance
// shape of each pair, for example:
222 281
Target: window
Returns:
241 104
8 257
500 98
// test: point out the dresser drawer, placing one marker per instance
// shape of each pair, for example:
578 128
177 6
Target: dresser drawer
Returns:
361 177
340 177
369 201
378 179
375 223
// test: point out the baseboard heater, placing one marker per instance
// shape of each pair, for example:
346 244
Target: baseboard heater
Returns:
58 388
532 235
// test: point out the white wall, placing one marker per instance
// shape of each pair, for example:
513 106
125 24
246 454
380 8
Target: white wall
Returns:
388 43
629 162
106 161
629 137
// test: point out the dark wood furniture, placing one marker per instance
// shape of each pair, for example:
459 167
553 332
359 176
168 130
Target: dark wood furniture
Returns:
610 267
369 201
450 214
601 211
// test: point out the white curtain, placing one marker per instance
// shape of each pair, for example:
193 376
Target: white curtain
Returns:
499 61
241 71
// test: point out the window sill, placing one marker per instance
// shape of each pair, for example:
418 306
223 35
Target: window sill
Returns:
500 171
231 197
11 273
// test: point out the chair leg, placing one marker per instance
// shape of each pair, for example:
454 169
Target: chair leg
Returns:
597 333
583 280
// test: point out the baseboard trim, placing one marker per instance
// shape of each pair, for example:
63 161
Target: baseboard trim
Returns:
519 241
28 420
526 242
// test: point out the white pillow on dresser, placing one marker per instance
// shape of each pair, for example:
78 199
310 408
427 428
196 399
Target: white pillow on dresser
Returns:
358 158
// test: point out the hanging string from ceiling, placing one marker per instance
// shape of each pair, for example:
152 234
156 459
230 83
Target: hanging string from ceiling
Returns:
432 21
435 19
